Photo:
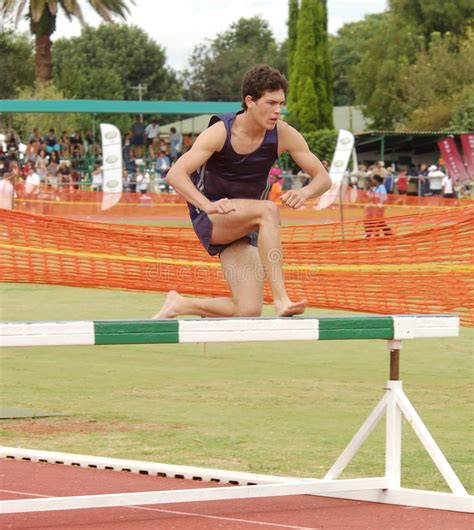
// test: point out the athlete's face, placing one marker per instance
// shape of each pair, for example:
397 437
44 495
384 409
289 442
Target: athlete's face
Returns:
266 110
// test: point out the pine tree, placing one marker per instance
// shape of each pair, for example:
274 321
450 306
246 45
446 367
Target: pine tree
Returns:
326 102
310 61
292 32
302 98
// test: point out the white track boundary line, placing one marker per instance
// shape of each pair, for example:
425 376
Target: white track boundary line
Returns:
236 478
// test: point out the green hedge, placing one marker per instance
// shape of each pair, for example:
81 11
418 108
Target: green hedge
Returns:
322 143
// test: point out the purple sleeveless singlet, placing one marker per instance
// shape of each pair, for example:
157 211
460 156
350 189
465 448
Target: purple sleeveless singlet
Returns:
232 175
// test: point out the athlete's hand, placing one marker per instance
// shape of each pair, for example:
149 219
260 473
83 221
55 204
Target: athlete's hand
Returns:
222 206
295 198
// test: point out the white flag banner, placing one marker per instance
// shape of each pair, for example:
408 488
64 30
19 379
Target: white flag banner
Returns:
340 161
112 166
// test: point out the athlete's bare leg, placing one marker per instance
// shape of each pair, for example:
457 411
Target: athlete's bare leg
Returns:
244 274
249 215
264 217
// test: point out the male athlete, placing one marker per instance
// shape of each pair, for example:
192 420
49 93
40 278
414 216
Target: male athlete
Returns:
224 179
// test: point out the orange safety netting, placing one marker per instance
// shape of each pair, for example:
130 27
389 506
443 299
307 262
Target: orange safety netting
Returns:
424 265
83 205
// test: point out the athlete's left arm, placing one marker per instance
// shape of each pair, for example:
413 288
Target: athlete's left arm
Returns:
291 141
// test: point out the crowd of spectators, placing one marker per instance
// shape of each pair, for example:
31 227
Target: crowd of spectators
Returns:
422 180
74 160
68 160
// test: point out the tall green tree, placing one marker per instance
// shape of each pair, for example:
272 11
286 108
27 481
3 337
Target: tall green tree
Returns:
42 15
216 68
323 77
302 97
311 108
428 16
109 62
385 54
346 51
292 32
439 85
16 58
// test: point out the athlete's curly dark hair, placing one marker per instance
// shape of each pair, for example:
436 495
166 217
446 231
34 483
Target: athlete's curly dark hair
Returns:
261 78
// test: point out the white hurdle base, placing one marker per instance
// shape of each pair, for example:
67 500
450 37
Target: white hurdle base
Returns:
385 489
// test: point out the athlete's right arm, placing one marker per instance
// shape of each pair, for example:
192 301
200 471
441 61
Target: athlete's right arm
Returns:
207 143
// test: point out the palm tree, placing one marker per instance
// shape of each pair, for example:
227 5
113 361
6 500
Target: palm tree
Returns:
42 16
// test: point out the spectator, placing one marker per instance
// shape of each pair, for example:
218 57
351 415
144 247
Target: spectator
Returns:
435 177
7 192
379 169
163 164
423 177
51 142
138 136
143 181
448 187
188 141
3 167
52 169
92 147
163 146
389 180
97 179
65 147
42 168
64 174
15 171
12 145
402 183
413 181
304 177
31 152
127 148
152 132
42 156
32 185
374 221
76 145
176 143
276 187
361 174
275 172
54 157
154 148
35 135
52 177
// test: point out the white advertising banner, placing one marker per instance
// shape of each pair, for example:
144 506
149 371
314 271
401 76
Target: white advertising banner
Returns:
112 166
340 161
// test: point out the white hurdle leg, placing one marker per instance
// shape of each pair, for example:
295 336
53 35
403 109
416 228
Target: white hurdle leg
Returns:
360 437
429 443
393 436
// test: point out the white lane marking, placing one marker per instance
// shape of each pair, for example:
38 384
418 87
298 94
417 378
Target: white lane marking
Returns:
234 519
26 494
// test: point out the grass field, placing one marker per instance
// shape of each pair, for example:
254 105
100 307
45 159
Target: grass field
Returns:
282 407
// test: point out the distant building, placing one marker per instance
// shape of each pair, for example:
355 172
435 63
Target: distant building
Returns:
400 148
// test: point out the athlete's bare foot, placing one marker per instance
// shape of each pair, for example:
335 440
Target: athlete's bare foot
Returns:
290 308
172 306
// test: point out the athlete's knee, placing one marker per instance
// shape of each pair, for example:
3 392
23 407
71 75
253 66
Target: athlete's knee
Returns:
269 210
248 310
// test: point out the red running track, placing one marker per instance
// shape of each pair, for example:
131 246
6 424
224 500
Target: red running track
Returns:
21 479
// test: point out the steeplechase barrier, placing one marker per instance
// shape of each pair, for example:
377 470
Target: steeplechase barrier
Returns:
394 404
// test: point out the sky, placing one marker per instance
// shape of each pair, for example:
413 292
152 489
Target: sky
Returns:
179 25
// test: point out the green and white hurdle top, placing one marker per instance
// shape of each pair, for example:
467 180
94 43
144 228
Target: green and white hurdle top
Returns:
103 332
